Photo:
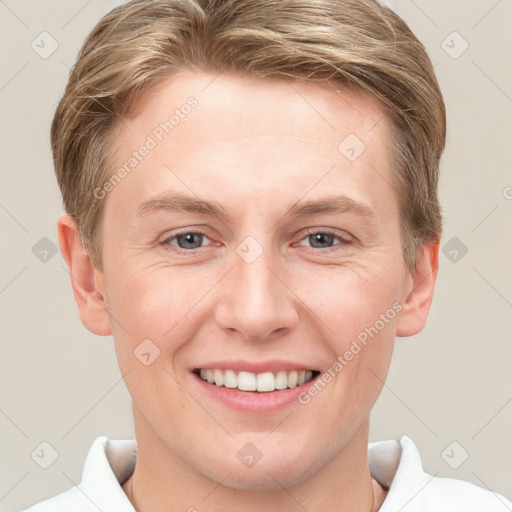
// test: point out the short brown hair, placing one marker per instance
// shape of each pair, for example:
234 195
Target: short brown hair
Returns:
359 43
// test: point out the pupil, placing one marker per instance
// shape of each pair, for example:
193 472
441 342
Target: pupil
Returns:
189 239
322 238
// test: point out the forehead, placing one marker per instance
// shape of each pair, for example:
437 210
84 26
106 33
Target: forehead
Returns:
245 138
251 104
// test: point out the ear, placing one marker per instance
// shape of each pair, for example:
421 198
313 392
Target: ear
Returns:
419 291
86 280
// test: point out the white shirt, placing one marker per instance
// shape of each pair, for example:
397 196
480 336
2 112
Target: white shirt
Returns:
394 464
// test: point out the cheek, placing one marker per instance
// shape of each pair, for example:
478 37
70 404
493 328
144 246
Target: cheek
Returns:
359 305
156 301
352 297
155 312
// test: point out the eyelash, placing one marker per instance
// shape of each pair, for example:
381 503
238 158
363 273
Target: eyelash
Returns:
343 241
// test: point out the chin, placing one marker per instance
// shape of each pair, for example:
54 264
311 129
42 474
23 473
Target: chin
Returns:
264 479
270 473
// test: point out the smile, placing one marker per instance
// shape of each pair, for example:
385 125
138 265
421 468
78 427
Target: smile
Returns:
260 382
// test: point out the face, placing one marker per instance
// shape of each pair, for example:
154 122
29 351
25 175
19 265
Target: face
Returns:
257 235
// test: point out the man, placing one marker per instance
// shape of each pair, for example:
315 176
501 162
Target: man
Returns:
252 214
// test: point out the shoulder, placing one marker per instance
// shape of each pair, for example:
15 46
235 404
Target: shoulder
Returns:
72 499
108 464
451 494
413 490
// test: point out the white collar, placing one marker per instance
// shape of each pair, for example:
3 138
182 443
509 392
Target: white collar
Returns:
394 464
110 462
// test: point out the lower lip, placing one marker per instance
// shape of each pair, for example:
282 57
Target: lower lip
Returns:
254 401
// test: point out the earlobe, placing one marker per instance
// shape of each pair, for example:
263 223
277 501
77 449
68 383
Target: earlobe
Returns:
418 297
86 280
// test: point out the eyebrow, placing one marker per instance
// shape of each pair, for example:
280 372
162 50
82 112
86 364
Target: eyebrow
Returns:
331 204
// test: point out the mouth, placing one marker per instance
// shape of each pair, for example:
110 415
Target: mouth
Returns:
264 382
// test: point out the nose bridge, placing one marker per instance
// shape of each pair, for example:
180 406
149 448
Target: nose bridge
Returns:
258 284
257 302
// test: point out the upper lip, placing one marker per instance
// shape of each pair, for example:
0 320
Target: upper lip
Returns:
271 365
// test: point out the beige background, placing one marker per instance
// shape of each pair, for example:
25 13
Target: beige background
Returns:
60 384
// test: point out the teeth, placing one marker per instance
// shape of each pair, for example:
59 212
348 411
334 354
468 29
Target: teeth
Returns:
281 380
218 375
262 382
265 382
293 379
230 379
246 381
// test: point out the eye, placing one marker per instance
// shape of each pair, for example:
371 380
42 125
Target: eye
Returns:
323 239
187 242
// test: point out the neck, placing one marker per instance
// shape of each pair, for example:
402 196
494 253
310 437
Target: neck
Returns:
163 481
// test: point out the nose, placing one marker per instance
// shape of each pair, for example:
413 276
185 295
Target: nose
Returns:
256 300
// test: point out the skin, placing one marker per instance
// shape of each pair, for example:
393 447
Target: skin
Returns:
257 146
